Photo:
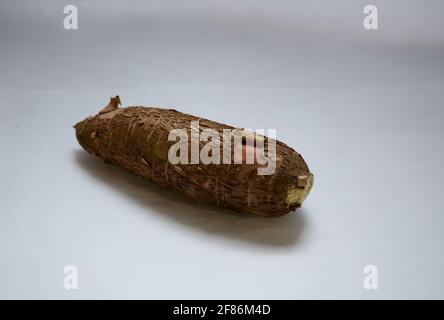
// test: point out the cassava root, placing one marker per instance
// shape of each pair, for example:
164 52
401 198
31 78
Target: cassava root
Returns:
139 139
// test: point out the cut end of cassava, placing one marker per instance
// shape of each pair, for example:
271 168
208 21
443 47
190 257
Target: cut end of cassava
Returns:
297 195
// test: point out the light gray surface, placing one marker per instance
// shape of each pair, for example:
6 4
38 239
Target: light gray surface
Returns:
365 108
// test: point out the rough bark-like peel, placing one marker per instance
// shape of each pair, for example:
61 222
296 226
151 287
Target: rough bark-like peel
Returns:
136 138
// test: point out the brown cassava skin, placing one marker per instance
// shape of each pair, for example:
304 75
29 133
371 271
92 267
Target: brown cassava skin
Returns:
136 138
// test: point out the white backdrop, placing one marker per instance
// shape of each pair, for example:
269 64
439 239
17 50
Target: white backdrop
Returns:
364 108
